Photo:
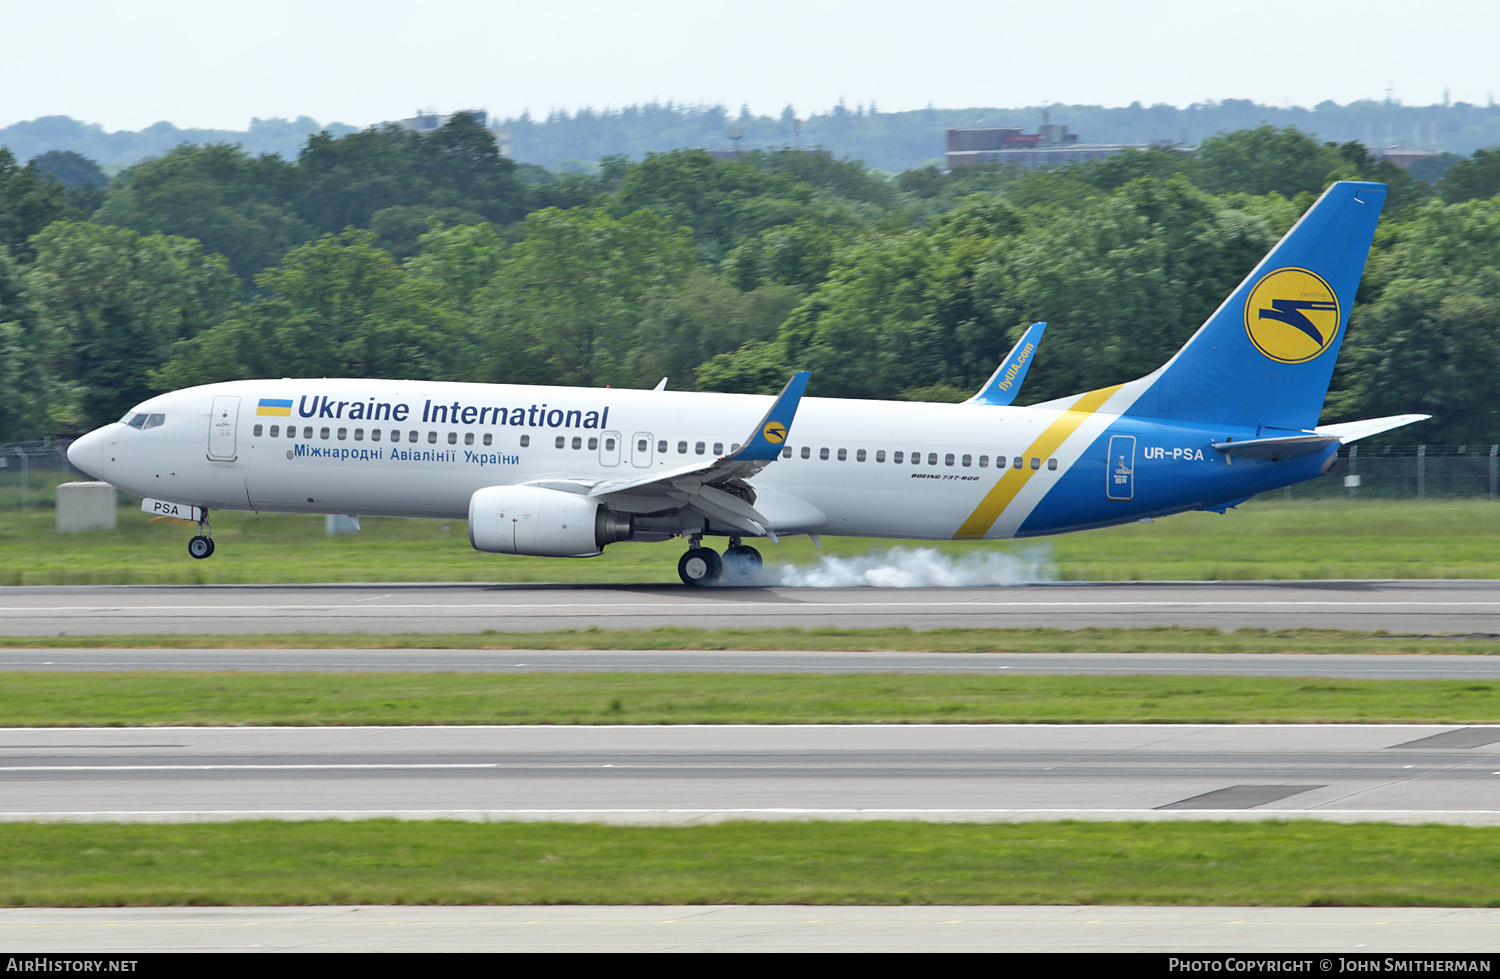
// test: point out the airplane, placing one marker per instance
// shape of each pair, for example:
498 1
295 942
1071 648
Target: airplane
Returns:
566 471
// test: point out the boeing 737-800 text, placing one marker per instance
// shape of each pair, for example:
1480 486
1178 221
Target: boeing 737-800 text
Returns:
566 471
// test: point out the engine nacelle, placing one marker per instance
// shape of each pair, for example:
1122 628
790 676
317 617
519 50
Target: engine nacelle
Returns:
542 522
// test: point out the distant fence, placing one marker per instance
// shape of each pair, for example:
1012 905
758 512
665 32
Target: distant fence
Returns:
28 471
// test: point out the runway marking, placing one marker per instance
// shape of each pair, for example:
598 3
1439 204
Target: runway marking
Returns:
241 768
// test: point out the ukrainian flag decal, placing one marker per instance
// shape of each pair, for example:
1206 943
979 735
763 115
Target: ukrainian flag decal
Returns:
274 406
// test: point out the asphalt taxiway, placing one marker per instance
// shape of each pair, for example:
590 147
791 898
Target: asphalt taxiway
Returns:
688 773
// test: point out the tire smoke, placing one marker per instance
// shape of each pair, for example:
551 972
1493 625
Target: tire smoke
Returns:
904 567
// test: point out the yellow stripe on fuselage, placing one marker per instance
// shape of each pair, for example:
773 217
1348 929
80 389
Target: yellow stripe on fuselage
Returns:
1003 492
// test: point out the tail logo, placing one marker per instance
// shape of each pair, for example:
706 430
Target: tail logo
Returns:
1292 315
775 432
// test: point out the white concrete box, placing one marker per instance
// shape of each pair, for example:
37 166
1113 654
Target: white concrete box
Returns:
85 506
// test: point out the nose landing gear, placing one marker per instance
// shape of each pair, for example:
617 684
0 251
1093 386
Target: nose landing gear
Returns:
202 544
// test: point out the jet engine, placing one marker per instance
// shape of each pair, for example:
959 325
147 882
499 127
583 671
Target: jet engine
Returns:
542 522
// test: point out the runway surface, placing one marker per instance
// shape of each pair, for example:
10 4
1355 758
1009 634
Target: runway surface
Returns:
1311 931
1467 607
1341 666
686 774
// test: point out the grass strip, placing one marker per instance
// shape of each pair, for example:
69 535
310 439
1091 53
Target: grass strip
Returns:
66 699
1153 640
1268 538
386 862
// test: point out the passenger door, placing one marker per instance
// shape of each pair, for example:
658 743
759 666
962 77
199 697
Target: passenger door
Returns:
223 422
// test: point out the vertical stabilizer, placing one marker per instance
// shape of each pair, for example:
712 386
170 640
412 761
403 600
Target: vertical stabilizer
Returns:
1265 357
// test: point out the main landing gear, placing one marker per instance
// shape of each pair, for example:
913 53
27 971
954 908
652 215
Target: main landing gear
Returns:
703 566
202 544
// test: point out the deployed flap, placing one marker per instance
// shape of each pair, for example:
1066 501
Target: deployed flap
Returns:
1349 431
714 487
1005 383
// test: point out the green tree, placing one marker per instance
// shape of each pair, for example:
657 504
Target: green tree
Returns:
682 327
568 297
114 302
1265 160
458 262
28 203
237 205
1476 178
1125 283
336 307
24 376
82 178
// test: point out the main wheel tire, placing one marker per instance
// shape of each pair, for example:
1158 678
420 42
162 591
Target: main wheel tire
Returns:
700 566
743 559
201 547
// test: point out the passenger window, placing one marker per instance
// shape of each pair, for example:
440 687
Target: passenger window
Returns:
896 457
275 431
489 439
967 460
374 435
880 455
984 462
806 452
257 430
593 444
359 435
1019 463
432 438
468 437
561 441
948 459
412 435
642 445
719 449
452 438
307 431
525 440
859 456
1036 463
932 459
577 442
916 458
699 448
682 448
843 455
343 434
786 453
1052 464
323 434
823 454
661 447
733 448
609 445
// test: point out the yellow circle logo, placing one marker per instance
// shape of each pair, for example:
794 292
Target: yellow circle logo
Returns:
775 432
1292 315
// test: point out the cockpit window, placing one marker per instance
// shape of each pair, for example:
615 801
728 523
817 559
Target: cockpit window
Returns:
142 420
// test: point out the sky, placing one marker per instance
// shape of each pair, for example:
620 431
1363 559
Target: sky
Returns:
126 64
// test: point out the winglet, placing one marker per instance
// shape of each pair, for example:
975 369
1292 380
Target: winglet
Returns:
771 433
1005 383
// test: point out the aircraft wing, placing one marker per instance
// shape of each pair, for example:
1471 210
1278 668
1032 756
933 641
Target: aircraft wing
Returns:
716 488
1005 383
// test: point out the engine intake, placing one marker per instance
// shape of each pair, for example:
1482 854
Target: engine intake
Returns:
542 522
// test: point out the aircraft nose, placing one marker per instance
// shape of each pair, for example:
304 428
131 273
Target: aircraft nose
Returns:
87 453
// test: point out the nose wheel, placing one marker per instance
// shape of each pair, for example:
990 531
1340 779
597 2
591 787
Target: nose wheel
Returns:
202 544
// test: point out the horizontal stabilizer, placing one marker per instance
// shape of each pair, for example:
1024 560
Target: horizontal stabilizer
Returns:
1005 383
1347 432
1283 447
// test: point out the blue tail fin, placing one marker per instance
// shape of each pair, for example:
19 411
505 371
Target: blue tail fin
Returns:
1265 357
